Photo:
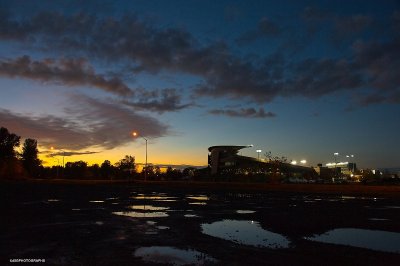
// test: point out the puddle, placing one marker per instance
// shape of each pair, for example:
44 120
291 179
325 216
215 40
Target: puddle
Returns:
96 201
144 197
245 232
200 197
361 238
191 215
378 219
53 200
348 197
392 207
174 256
148 208
198 203
245 211
159 227
162 227
142 214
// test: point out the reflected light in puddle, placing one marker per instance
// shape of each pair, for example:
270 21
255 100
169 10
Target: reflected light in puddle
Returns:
198 203
190 215
53 200
361 238
245 232
200 197
144 197
142 214
96 201
245 211
174 256
148 208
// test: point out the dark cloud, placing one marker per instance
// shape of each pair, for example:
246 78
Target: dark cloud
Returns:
312 13
160 101
265 28
348 28
317 77
71 72
353 24
223 74
70 153
380 63
90 123
244 112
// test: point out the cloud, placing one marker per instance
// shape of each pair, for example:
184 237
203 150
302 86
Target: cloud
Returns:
146 48
68 71
349 28
70 153
265 28
160 101
89 123
244 112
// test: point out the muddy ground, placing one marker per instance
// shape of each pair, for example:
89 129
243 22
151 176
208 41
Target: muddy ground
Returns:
89 224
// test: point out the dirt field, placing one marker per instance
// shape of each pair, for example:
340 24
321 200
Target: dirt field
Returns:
104 223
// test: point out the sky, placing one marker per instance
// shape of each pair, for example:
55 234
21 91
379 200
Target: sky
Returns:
302 79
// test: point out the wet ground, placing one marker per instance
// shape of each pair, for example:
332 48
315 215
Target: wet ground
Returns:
71 224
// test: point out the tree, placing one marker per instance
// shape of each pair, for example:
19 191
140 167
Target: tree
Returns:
126 166
10 166
276 165
76 169
8 142
30 158
106 169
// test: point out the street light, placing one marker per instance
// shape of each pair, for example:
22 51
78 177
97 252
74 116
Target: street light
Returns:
135 134
52 148
336 154
351 156
258 152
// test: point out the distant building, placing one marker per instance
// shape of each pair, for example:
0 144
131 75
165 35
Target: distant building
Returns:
345 168
226 160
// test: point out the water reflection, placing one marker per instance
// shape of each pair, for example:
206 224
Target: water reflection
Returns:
141 214
190 215
148 208
245 211
245 232
152 197
174 256
198 203
53 200
362 238
199 197
96 201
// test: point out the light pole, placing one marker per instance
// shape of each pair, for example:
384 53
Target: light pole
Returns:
258 152
351 156
52 148
335 154
135 134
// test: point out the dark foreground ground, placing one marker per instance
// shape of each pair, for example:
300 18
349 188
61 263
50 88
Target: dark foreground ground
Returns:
77 224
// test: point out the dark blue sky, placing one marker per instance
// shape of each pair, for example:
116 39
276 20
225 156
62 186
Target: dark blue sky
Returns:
302 79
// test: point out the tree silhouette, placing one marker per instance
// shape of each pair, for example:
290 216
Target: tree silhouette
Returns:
106 169
10 166
8 142
30 158
126 166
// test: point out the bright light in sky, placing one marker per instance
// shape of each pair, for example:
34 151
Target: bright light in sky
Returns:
296 79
